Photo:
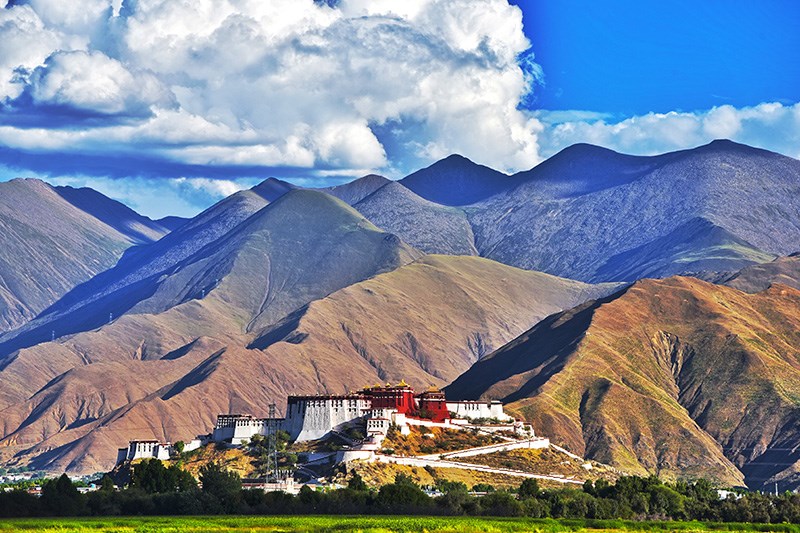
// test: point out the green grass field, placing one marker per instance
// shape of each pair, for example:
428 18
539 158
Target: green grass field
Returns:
366 524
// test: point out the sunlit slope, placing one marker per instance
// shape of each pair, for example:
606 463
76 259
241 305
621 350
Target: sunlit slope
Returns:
677 377
52 239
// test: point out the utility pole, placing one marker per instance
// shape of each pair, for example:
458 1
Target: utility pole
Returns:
273 440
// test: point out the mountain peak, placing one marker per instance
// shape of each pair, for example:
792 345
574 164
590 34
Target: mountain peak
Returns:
28 183
272 188
455 180
587 150
371 177
727 145
358 189
312 204
428 226
455 158
724 143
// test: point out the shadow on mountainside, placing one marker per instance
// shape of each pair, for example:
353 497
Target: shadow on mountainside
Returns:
521 367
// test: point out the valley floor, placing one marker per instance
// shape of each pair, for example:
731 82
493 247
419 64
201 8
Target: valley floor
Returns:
365 524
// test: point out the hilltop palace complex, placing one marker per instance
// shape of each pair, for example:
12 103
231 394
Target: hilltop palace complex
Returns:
316 417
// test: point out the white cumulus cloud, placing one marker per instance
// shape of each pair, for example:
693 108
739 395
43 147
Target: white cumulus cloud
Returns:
773 126
95 83
281 83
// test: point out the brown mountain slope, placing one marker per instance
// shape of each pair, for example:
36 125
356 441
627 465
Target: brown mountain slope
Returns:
51 239
425 322
677 377
168 375
301 247
785 270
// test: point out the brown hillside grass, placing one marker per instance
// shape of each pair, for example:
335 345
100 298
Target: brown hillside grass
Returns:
654 380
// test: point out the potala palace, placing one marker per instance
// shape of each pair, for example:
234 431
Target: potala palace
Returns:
315 417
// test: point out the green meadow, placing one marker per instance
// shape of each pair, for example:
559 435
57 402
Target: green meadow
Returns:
366 524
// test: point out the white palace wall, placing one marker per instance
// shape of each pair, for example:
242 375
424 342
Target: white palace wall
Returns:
307 418
144 449
476 409
310 418
237 429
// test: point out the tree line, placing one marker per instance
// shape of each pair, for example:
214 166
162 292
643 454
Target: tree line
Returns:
158 490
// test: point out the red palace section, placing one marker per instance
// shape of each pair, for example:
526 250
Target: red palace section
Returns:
430 404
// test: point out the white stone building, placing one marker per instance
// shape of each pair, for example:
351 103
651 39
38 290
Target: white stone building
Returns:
145 449
307 418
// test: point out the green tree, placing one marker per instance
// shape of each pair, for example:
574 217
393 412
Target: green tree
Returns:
403 493
529 488
500 503
482 487
667 502
356 482
455 498
444 486
535 508
153 477
224 485
107 484
61 498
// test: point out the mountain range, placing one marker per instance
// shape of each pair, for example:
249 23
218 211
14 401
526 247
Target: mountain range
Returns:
592 214
53 238
527 288
179 356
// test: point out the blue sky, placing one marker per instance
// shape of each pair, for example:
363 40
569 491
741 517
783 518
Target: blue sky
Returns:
170 106
634 57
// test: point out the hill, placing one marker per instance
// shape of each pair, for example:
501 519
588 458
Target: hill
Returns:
353 192
272 188
52 239
457 181
138 228
697 247
676 377
171 222
428 226
299 248
592 214
756 278
71 403
426 322
129 276
288 254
